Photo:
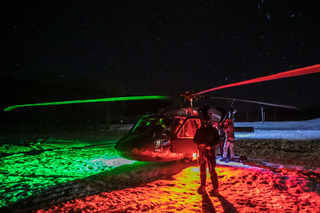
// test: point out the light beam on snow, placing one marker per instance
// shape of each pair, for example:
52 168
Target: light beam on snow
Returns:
23 174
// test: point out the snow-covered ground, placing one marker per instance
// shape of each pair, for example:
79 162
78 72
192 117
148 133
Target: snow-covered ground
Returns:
82 173
292 130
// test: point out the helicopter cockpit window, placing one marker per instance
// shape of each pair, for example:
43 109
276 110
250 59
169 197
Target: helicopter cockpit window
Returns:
178 121
188 130
153 125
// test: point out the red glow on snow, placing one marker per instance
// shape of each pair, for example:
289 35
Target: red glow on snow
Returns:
297 72
241 190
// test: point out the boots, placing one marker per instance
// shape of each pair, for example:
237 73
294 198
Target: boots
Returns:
214 192
201 190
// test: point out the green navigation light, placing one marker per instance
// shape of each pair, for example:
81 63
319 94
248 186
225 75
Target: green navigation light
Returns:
129 98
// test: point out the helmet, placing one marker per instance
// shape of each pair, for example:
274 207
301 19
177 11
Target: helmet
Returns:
228 120
204 114
204 111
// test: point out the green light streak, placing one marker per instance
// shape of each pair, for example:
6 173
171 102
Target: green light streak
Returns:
129 98
23 174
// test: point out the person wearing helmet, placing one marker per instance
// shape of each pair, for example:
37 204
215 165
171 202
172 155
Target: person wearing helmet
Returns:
207 138
229 140
220 126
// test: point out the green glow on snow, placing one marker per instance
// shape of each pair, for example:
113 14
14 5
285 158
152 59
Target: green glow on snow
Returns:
129 98
27 170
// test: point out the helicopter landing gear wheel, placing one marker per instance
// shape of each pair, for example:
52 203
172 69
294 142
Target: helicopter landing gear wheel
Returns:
187 158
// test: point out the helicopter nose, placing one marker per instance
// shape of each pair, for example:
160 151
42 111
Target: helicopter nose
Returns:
131 146
122 149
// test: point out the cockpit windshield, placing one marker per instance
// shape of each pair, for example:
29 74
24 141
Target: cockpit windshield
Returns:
153 125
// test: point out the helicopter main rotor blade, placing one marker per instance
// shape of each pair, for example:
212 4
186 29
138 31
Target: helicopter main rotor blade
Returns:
129 98
257 102
292 73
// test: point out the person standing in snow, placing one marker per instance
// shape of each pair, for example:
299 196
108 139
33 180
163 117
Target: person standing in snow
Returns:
229 140
207 138
222 138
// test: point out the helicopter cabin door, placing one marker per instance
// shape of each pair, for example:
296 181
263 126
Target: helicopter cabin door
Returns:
183 140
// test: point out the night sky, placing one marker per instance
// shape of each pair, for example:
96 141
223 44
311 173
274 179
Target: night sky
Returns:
165 47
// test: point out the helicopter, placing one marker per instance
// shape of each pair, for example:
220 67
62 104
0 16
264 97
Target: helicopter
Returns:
168 134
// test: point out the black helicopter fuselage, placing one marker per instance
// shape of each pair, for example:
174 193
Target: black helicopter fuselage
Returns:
163 137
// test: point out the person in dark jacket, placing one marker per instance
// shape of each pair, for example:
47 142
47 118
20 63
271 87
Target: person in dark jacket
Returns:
207 138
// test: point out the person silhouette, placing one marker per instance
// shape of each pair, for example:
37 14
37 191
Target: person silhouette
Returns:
207 138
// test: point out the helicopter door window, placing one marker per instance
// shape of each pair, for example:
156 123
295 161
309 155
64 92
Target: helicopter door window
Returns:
189 129
177 123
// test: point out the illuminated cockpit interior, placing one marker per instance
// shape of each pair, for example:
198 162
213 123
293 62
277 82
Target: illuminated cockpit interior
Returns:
189 128
153 125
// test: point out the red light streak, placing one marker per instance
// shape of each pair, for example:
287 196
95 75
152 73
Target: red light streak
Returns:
292 73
